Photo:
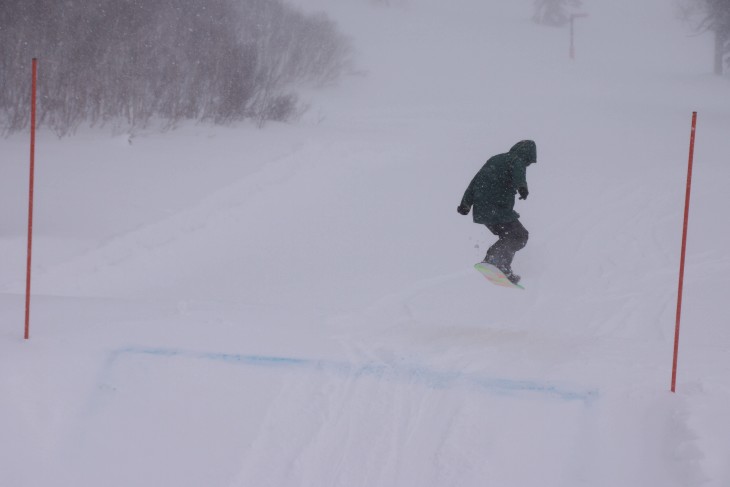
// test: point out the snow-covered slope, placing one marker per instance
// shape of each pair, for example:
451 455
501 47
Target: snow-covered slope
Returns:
296 306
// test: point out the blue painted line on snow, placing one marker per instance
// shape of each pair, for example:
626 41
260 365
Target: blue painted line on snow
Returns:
433 379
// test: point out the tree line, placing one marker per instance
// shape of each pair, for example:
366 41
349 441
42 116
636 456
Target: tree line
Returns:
138 62
712 16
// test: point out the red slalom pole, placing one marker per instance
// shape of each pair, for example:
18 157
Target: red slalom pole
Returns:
34 78
684 248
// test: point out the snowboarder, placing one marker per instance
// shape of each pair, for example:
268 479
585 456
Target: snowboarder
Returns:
492 194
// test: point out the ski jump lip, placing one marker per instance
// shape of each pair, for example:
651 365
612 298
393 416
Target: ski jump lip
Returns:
400 372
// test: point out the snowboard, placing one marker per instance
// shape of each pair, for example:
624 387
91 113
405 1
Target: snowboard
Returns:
495 276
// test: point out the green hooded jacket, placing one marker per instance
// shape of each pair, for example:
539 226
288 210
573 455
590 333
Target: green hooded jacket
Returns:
492 191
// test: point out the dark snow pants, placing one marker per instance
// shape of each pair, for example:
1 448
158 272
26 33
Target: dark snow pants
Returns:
512 237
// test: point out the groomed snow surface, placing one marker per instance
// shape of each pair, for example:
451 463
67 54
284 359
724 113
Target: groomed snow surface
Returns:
296 306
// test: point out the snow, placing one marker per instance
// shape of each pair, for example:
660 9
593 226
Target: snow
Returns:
295 306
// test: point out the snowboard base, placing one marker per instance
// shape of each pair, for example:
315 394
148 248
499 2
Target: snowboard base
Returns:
494 275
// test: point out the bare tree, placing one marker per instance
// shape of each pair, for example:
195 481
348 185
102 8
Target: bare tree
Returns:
554 12
132 62
712 16
717 20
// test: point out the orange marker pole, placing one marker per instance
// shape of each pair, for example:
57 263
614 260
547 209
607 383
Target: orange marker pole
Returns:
30 194
684 248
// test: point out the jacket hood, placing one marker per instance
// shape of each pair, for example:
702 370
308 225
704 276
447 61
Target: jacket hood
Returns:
525 150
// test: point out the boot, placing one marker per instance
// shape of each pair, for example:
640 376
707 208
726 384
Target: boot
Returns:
504 268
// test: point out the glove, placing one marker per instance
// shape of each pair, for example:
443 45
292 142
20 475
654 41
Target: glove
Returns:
464 210
523 192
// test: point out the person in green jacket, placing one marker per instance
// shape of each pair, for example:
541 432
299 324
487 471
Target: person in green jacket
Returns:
492 195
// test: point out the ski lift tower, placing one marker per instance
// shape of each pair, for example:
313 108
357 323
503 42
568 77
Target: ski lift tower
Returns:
572 32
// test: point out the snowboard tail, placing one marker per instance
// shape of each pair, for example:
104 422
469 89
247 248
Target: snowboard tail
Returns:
495 276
